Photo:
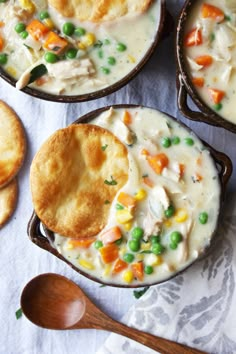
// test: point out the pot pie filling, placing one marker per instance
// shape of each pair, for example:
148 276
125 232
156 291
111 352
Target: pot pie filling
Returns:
164 217
210 50
41 48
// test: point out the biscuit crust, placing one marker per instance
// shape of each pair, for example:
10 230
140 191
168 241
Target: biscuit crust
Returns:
8 201
99 10
71 179
12 144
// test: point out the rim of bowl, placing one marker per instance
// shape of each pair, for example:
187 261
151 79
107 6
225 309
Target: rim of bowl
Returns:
35 221
181 63
109 89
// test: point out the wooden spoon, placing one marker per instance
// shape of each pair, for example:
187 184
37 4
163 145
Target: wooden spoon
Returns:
55 302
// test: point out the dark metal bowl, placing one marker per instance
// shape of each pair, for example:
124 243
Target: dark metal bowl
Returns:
184 83
164 27
45 240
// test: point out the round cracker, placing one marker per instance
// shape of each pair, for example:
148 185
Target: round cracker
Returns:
71 179
99 10
12 144
8 201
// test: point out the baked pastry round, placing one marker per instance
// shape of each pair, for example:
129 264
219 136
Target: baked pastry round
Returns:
74 178
12 144
8 201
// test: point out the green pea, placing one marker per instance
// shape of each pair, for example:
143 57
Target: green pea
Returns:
105 70
119 206
19 27
134 245
175 237
50 57
98 244
24 34
218 106
203 217
80 31
128 257
107 41
148 269
175 140
137 233
154 239
121 47
71 53
157 248
189 141
166 142
68 28
43 15
111 60
100 54
3 58
169 212
173 245
119 242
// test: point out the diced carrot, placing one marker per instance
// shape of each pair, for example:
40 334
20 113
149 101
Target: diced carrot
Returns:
181 169
126 200
109 253
111 235
137 269
148 182
194 37
119 266
199 161
198 177
158 162
216 95
84 243
204 60
37 29
210 11
198 81
55 43
145 152
2 24
41 81
1 43
127 118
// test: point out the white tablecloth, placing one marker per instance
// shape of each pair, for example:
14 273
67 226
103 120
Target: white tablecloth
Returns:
197 308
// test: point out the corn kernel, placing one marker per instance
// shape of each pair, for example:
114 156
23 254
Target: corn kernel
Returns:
128 276
154 260
49 23
27 5
89 39
131 58
123 216
146 246
128 226
122 251
86 264
140 257
11 71
167 223
181 215
69 246
141 194
81 46
107 270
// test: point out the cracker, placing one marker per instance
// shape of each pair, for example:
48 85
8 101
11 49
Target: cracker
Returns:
12 144
8 201
74 178
99 10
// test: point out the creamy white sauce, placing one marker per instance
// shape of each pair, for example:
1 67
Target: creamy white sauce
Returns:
191 192
219 42
137 33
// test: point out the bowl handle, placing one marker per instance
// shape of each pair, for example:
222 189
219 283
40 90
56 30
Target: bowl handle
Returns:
35 234
184 108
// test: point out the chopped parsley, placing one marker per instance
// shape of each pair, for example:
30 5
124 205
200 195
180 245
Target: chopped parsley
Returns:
139 293
98 44
107 202
19 313
104 147
112 182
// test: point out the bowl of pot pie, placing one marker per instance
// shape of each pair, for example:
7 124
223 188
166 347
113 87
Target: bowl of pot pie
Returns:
127 196
78 50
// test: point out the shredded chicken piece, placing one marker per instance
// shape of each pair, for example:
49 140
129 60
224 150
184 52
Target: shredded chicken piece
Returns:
25 77
161 195
66 69
151 226
185 229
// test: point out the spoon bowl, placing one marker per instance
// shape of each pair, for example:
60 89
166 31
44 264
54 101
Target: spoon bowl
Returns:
55 302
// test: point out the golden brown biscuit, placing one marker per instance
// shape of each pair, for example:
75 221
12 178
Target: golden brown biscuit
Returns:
12 144
99 10
74 178
8 201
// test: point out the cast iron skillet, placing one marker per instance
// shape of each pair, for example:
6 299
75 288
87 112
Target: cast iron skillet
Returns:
184 83
45 239
164 27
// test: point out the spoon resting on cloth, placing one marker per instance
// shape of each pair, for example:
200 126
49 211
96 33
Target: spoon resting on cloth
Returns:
54 302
